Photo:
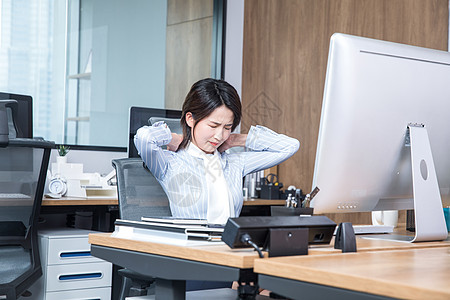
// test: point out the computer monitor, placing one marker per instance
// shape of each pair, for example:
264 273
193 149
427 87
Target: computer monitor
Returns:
140 116
23 116
373 90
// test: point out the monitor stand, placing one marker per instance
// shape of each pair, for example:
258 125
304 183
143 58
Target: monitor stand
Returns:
428 212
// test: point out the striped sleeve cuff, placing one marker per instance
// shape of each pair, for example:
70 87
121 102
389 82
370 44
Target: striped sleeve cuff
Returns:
261 138
158 134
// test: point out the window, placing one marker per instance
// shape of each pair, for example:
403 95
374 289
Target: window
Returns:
85 62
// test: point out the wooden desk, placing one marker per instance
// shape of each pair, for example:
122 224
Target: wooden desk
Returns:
260 207
410 274
64 201
99 207
80 201
274 202
219 254
364 244
77 202
173 265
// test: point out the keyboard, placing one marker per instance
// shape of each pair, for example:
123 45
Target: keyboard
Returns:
371 229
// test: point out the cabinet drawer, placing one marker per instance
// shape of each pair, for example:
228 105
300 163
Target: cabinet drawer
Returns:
85 294
70 251
70 277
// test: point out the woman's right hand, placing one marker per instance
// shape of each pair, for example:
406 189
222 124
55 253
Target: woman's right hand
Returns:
175 142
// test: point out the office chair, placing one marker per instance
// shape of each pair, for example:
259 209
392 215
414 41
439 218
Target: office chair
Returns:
173 123
140 194
23 169
140 116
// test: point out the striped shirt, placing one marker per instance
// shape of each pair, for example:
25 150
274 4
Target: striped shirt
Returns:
183 176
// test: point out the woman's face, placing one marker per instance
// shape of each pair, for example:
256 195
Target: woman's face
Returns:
212 131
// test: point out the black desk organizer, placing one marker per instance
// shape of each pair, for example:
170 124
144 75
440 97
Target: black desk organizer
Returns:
281 235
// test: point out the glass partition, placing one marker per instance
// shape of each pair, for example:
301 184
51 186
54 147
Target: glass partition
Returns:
86 62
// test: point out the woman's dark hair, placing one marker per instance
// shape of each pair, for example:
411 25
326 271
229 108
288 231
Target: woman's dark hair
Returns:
203 98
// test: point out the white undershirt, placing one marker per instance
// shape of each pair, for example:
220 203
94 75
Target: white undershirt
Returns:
219 205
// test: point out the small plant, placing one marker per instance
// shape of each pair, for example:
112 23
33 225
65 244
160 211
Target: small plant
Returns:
63 150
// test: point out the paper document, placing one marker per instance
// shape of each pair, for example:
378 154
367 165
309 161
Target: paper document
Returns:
167 233
172 220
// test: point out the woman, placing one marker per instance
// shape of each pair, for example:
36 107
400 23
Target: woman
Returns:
201 179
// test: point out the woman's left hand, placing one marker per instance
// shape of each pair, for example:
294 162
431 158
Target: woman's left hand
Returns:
175 142
234 140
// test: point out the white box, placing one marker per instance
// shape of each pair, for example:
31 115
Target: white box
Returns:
69 271
97 293
72 277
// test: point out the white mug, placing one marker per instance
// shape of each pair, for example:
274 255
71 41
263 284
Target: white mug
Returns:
386 217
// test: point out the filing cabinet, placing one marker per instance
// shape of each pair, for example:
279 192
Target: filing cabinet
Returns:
69 271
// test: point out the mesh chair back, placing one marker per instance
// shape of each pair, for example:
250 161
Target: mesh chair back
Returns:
140 194
23 169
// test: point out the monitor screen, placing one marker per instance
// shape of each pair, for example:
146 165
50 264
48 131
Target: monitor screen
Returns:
23 117
140 116
373 90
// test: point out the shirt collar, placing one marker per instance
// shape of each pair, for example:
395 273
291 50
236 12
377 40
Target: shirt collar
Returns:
195 151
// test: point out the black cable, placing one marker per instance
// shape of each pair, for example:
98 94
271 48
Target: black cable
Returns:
247 239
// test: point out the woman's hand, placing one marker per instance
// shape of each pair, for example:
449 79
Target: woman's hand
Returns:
234 140
175 142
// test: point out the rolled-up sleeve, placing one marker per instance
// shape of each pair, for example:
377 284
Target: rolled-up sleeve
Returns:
266 148
148 141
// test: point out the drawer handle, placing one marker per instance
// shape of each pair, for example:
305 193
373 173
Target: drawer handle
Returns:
75 254
80 276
